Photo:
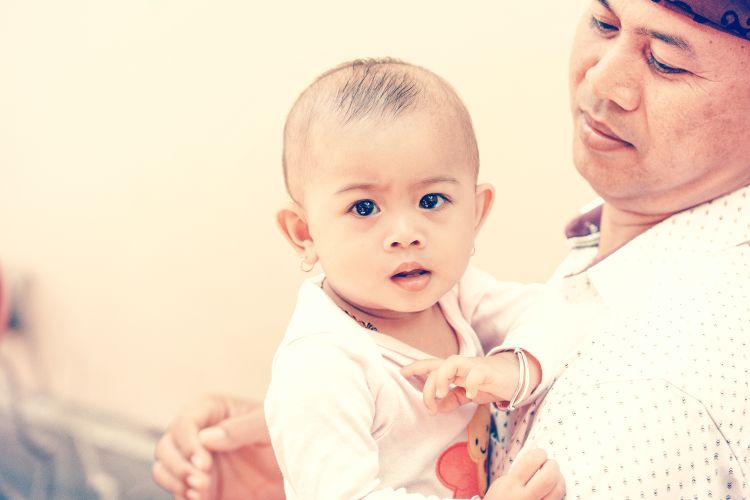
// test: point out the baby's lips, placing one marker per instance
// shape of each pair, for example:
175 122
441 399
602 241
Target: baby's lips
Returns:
408 268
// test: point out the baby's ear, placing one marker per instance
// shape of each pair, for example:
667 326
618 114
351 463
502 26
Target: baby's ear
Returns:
292 221
485 195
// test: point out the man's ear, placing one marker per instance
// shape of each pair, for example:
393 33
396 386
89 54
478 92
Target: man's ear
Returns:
485 196
292 221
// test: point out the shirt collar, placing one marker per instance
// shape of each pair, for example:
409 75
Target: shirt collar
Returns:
701 231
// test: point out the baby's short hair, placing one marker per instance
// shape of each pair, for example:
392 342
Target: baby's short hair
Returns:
383 88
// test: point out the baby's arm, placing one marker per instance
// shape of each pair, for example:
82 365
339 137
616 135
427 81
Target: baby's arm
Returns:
493 307
506 316
458 379
320 411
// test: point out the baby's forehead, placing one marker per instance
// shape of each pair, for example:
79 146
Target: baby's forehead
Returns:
368 96
421 144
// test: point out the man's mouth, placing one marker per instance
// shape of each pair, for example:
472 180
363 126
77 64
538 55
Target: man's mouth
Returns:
597 135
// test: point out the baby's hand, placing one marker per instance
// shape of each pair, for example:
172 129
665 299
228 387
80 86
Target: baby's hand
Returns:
478 379
531 477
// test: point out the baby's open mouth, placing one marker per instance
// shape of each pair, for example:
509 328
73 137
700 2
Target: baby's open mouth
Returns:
412 279
410 274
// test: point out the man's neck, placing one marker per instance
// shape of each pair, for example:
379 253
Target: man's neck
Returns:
618 227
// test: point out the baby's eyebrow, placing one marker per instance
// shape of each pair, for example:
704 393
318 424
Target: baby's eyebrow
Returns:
438 179
368 186
356 187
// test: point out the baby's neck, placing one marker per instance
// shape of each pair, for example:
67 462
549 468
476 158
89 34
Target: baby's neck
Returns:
426 330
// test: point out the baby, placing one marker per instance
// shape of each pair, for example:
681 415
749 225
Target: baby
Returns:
381 163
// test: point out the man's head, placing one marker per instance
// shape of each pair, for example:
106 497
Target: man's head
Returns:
369 91
729 16
661 105
381 162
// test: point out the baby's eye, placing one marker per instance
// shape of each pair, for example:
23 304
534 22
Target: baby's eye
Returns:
432 201
364 208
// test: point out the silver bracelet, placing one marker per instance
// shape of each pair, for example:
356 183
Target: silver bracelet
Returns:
522 388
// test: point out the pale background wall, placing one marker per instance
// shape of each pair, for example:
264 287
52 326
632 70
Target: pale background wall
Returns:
139 172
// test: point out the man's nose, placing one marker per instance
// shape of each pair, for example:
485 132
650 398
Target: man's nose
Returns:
616 75
404 234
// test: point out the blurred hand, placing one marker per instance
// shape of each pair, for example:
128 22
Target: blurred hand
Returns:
218 448
531 477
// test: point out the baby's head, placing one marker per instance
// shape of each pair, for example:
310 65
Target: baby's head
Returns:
381 163
360 94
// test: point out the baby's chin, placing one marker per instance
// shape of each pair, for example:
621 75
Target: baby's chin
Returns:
397 309
392 301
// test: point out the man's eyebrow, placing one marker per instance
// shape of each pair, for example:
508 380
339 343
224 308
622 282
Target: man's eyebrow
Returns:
674 41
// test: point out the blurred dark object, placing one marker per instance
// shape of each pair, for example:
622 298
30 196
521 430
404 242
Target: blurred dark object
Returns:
53 451
90 456
4 306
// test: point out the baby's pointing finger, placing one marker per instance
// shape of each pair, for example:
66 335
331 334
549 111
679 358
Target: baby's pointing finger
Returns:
428 394
421 367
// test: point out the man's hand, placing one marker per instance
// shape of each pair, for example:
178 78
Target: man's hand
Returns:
531 477
456 380
218 448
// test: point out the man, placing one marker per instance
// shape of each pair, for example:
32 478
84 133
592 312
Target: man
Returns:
655 401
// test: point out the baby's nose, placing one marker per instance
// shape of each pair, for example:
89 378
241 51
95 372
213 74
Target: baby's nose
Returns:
403 236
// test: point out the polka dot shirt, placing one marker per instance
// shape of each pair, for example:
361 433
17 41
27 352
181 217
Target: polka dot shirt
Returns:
654 400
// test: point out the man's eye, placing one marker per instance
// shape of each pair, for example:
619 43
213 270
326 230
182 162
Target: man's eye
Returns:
603 27
364 208
432 201
663 68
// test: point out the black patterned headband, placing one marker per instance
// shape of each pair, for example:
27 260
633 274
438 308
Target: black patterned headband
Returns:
730 16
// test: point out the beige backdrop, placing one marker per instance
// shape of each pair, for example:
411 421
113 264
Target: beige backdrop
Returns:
140 171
